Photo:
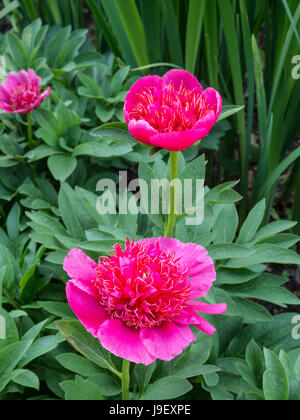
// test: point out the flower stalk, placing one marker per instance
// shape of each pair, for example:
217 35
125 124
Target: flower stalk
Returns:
125 380
29 131
171 223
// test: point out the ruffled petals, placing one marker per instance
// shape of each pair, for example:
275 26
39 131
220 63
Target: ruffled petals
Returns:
124 342
168 340
86 307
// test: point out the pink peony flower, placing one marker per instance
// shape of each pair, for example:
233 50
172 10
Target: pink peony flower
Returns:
172 112
22 92
139 302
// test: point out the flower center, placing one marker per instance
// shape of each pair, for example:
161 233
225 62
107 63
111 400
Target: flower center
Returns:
169 109
143 285
24 95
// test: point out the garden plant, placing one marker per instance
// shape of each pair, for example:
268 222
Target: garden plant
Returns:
149 200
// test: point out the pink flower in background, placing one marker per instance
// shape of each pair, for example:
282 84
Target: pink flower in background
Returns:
140 302
172 112
22 92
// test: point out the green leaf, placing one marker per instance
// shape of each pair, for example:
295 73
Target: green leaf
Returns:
272 229
9 358
226 225
223 193
78 364
266 253
167 388
17 50
114 132
102 149
67 208
190 362
86 344
48 123
13 221
226 251
233 276
28 379
252 223
266 287
255 362
81 390
59 309
251 312
11 330
143 374
106 384
62 166
146 173
229 110
40 347
275 380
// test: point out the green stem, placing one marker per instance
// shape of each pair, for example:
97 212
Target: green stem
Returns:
169 230
125 380
29 131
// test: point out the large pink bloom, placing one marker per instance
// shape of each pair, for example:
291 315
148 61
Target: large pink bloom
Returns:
172 112
138 302
22 92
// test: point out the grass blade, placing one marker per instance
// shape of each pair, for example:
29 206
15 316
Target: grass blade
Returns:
288 11
273 177
9 9
228 21
100 20
194 27
134 29
282 59
211 42
152 20
55 10
175 46
115 21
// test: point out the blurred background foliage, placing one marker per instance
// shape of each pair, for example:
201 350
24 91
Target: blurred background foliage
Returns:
244 48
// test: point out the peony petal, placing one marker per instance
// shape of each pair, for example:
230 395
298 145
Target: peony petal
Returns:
214 100
5 107
168 340
45 94
13 80
181 77
87 309
205 326
201 266
175 141
33 77
124 342
132 96
40 99
213 309
141 130
4 94
79 266
188 317
208 121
